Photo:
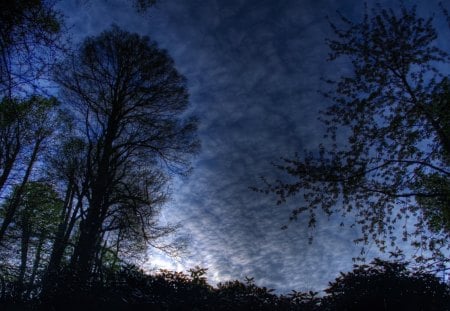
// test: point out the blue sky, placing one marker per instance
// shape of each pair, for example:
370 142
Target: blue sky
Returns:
253 69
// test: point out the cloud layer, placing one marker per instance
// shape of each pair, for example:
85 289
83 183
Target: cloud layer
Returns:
253 70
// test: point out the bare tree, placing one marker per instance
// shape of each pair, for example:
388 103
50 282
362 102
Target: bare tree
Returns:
30 39
129 102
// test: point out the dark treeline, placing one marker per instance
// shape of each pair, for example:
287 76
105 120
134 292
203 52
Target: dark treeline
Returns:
84 172
382 285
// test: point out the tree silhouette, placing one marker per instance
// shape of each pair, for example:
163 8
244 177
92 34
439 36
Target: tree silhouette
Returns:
65 166
143 5
386 285
128 101
34 225
30 38
387 159
26 127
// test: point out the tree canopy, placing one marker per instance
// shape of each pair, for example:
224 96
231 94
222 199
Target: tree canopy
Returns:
104 149
386 158
30 40
381 285
127 100
385 285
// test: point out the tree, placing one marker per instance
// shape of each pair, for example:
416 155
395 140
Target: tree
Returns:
66 167
128 101
33 225
143 5
246 296
12 135
29 41
387 159
384 285
26 127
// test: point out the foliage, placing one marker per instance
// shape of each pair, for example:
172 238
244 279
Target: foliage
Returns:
82 188
167 290
386 286
25 130
103 160
30 39
33 224
246 296
40 205
143 5
107 154
128 102
387 158
381 285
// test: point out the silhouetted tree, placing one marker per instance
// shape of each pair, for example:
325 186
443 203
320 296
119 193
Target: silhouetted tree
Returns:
133 225
66 167
143 5
306 301
13 134
128 100
26 127
389 131
379 286
34 224
386 285
30 38
246 296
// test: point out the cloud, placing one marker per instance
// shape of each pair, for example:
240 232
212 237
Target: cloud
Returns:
253 73
253 70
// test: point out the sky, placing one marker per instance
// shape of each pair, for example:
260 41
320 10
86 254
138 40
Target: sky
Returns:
253 69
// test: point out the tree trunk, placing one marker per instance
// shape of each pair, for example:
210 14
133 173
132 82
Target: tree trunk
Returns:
12 207
67 223
37 260
86 246
25 242
9 163
90 228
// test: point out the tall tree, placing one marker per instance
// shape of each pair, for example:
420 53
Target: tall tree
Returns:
129 101
33 225
66 167
387 160
13 135
25 130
